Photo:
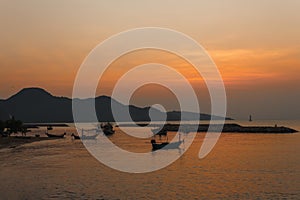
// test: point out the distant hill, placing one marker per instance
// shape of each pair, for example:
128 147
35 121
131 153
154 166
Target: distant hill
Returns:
38 105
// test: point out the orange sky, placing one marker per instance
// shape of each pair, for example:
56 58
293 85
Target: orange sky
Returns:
255 44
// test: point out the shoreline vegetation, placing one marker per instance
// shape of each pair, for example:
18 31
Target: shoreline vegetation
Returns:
11 129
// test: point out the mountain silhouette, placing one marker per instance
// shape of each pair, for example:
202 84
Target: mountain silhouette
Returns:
39 106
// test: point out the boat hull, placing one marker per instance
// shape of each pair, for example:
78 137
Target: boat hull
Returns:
108 132
55 136
165 145
157 146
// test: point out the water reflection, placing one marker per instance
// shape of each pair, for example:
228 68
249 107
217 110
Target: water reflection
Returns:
241 166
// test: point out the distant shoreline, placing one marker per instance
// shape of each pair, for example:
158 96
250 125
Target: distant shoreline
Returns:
15 141
37 125
227 128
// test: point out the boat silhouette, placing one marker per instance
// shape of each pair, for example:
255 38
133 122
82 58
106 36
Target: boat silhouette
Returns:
76 137
166 145
50 135
107 128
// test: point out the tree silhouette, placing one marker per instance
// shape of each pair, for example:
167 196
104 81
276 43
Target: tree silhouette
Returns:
13 126
2 126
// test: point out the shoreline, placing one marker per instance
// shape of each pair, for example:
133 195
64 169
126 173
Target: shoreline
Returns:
227 128
15 141
37 125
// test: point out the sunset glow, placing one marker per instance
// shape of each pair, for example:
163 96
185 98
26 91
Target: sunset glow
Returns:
44 45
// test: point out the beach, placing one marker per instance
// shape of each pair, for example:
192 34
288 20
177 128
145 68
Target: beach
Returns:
15 141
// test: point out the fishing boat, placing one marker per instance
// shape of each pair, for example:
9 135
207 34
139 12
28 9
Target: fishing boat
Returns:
167 145
55 136
50 135
107 128
76 137
156 146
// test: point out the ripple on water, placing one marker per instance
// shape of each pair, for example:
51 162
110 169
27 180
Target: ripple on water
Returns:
239 167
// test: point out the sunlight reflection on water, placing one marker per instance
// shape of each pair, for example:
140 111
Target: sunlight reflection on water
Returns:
241 166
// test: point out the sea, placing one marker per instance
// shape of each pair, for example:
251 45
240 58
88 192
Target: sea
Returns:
240 166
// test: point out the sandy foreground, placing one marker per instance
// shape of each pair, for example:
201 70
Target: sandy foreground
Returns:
14 141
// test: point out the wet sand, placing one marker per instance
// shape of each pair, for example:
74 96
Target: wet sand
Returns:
15 141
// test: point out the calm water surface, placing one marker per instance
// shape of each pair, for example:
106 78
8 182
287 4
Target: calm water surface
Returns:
241 166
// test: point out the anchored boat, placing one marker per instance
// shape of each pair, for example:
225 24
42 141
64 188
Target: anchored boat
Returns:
166 145
50 135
